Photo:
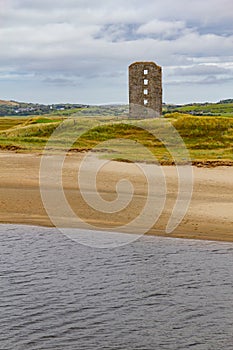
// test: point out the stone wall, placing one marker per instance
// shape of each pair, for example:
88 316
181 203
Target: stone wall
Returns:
145 90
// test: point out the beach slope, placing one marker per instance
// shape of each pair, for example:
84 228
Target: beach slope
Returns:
209 216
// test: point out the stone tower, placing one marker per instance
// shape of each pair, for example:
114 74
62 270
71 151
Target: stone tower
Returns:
145 90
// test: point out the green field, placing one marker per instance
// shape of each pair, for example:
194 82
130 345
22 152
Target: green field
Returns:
222 108
207 138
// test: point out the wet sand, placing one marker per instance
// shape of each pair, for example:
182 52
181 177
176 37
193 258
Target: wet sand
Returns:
209 216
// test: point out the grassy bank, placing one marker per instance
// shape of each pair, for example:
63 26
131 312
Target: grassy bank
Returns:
207 138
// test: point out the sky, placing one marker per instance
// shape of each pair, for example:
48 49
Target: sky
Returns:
78 51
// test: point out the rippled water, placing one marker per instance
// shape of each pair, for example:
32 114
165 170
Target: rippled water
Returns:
153 294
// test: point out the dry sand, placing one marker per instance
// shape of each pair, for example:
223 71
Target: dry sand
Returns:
209 216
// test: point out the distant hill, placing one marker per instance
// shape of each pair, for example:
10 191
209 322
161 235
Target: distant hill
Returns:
14 108
8 103
221 108
229 100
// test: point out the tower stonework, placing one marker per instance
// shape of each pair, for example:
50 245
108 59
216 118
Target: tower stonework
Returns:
145 90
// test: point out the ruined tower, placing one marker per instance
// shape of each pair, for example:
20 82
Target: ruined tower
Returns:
145 90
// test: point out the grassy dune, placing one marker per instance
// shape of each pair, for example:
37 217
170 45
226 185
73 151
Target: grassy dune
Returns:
206 138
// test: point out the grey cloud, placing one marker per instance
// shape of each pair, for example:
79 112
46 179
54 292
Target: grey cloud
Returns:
215 80
59 81
223 28
198 11
210 80
165 30
202 13
45 4
69 42
118 32
202 69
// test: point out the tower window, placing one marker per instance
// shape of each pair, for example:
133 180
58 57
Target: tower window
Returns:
145 71
145 91
145 102
145 81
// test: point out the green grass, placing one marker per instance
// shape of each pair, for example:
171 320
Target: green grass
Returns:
206 109
206 138
42 120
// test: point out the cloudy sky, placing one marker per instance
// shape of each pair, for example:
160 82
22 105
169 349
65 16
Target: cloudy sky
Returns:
79 50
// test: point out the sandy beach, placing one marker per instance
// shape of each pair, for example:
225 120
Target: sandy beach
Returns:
209 216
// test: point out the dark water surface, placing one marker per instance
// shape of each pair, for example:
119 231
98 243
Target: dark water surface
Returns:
155 293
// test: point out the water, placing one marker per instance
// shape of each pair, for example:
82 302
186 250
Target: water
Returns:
152 294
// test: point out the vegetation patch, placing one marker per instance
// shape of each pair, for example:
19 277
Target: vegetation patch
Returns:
207 138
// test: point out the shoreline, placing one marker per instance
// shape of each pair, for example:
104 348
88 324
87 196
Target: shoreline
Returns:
209 217
183 236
